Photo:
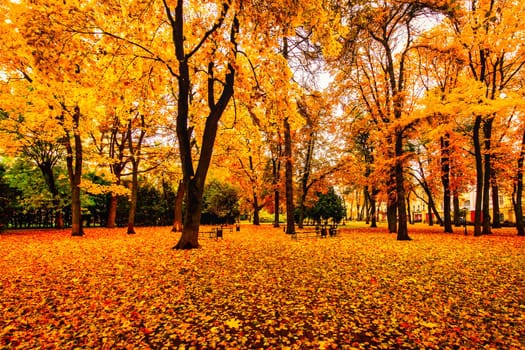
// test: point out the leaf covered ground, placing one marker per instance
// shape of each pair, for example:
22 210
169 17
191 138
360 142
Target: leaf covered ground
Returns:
259 289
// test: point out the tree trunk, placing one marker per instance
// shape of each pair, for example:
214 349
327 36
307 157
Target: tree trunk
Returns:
194 179
192 216
373 214
391 209
47 172
457 211
518 191
496 222
366 196
479 176
429 213
409 212
112 211
177 208
391 216
74 169
133 198
256 209
487 134
445 180
402 227
306 177
290 207
276 192
135 150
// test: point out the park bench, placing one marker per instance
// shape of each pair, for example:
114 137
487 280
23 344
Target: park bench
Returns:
215 232
218 231
319 231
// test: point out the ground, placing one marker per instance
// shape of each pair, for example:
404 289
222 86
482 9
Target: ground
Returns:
259 289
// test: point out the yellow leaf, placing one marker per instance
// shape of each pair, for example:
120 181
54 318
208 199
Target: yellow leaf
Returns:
233 323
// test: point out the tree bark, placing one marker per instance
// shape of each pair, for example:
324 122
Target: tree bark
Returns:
445 180
133 196
117 147
305 178
402 227
479 175
256 209
496 222
112 211
373 210
409 212
391 209
194 179
74 169
487 134
518 190
290 207
457 211
135 150
429 213
276 192
177 210
46 167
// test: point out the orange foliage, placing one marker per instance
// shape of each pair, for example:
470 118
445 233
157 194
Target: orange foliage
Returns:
259 289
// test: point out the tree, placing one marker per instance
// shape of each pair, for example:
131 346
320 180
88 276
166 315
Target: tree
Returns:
7 198
494 65
377 46
328 206
221 203
517 192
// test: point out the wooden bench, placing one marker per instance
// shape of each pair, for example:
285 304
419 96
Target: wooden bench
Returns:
304 234
227 228
215 232
218 231
322 232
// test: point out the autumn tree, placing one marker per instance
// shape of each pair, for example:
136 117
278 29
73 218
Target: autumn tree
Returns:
374 43
56 70
487 31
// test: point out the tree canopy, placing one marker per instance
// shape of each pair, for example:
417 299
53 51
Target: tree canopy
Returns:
390 101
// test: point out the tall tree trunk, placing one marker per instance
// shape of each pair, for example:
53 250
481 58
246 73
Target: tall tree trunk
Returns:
445 180
479 176
518 190
402 227
290 207
177 208
391 209
276 191
373 210
409 212
133 198
256 209
429 213
487 134
306 178
112 211
74 169
46 168
368 210
135 150
195 179
457 211
117 149
192 216
496 222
